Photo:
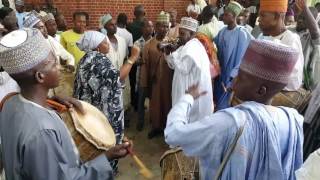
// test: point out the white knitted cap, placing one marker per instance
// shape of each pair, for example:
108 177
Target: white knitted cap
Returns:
22 50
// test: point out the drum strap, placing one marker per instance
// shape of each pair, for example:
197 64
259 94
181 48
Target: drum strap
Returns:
229 152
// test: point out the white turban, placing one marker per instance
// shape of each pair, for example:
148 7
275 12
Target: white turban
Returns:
90 40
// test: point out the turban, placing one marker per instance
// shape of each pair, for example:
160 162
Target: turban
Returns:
48 17
105 19
189 23
269 60
163 17
90 40
274 5
234 7
31 19
21 50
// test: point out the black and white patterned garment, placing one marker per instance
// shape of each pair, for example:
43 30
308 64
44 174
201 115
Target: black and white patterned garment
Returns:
98 83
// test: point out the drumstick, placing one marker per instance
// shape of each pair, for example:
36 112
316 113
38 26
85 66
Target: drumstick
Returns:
57 106
143 169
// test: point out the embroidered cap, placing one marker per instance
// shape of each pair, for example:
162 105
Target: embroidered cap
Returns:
31 19
189 23
19 2
234 7
269 60
274 5
105 19
22 50
163 17
48 17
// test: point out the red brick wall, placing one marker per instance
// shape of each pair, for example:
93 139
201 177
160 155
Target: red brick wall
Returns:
96 8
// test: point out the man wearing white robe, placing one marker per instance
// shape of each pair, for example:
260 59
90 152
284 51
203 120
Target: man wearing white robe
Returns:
270 145
191 65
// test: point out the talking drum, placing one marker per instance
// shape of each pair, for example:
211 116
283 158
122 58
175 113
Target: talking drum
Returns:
91 132
295 99
176 166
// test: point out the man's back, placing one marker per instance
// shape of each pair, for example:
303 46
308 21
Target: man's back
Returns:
270 146
191 65
124 33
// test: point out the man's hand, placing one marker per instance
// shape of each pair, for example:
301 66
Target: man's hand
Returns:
118 151
69 102
135 53
194 91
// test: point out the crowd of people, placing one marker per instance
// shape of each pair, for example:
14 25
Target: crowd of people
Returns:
233 83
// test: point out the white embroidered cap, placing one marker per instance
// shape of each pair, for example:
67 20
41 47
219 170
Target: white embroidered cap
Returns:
31 19
189 23
22 50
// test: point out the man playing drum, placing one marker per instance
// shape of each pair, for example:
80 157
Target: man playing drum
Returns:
268 139
35 142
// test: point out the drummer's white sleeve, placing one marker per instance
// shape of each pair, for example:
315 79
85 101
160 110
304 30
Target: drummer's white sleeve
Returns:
205 137
43 158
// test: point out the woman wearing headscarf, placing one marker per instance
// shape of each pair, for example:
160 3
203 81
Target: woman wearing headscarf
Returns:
98 82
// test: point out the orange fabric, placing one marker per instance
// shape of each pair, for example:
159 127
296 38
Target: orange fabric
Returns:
274 5
211 52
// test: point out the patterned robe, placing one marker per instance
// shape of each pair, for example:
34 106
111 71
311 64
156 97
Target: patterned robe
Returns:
98 83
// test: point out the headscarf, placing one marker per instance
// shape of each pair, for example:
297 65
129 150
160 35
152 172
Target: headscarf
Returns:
90 40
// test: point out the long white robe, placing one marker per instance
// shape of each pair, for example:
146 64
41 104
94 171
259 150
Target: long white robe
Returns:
191 66
117 57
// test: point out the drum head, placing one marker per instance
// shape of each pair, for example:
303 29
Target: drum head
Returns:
94 126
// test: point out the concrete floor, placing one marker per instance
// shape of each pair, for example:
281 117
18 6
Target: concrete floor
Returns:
149 151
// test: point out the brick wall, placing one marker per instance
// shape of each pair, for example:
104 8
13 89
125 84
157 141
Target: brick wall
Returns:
96 8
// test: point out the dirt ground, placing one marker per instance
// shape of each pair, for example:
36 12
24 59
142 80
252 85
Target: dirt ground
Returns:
148 150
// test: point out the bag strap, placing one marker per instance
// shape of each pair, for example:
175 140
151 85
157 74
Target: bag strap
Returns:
229 152
8 96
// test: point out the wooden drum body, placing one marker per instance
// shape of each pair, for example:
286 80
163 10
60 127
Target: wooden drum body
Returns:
295 99
91 132
176 166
